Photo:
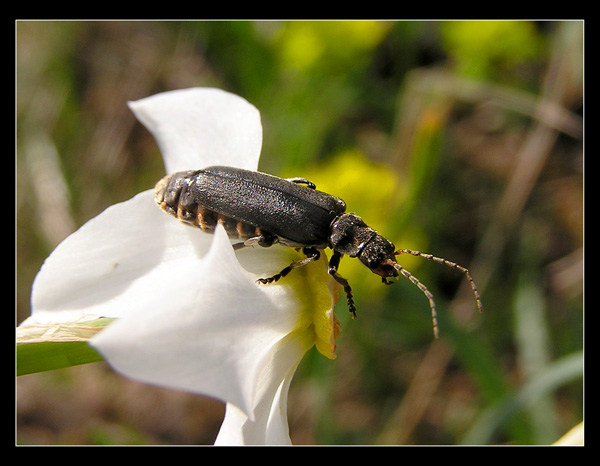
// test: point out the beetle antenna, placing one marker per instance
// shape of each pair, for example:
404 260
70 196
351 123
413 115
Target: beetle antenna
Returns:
449 264
426 292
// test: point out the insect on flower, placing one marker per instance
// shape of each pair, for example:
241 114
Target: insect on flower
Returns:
261 209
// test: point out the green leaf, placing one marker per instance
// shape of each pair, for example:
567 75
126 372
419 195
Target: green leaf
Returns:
48 347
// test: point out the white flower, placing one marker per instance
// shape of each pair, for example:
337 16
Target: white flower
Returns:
189 316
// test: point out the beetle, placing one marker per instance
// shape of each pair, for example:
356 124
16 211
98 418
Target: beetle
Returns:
262 209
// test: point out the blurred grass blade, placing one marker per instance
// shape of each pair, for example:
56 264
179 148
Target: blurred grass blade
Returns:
534 354
48 347
553 376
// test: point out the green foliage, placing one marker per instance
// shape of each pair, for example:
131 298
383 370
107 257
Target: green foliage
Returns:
486 49
49 347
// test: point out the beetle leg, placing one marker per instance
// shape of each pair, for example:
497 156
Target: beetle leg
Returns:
265 240
334 263
308 183
312 254
248 243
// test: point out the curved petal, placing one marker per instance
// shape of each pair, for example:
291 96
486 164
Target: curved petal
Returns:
216 337
269 424
199 127
100 269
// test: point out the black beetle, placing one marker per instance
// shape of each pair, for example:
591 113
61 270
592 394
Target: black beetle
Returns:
263 209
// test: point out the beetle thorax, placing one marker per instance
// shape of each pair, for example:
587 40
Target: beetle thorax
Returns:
349 234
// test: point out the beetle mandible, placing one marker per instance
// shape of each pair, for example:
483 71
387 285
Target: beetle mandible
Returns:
261 209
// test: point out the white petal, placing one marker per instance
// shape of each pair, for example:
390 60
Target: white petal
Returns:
199 127
277 427
216 337
102 268
269 425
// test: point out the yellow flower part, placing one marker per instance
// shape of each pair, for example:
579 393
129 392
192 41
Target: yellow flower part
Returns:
318 294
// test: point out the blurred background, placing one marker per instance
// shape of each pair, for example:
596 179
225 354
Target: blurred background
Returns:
459 138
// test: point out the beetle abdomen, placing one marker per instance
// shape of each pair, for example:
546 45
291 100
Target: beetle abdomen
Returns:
172 194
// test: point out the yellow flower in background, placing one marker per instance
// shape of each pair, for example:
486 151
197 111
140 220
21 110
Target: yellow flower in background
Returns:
304 45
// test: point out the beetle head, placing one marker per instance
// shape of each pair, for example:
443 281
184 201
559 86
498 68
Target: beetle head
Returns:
378 255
